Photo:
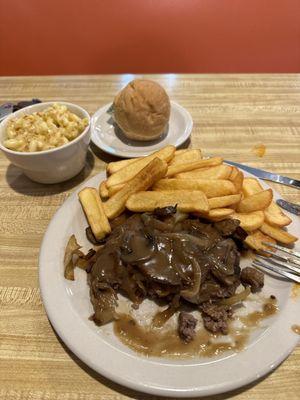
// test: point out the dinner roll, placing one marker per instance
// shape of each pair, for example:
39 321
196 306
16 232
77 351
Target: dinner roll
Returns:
142 110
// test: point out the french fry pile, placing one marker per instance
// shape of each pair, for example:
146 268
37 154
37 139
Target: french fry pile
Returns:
205 187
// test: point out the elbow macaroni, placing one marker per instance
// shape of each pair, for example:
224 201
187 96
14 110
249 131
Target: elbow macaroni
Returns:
48 129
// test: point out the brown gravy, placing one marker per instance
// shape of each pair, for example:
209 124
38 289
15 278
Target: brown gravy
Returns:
259 150
152 342
296 329
155 342
295 291
253 319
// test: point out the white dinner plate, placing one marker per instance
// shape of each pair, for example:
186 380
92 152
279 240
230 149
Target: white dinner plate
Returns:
108 137
68 307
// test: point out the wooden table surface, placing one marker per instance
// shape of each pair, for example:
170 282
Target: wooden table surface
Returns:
231 113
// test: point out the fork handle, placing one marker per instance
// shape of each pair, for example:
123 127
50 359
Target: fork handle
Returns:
291 207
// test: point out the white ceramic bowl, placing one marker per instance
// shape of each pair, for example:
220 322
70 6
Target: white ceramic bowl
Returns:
55 165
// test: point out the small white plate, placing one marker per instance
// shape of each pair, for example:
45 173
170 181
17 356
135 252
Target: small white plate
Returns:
68 307
109 138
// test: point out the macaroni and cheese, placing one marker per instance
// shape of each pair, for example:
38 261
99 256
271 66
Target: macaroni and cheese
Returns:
48 129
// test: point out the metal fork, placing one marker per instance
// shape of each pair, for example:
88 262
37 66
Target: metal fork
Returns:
285 263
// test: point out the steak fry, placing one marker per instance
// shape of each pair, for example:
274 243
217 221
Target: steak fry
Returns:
151 173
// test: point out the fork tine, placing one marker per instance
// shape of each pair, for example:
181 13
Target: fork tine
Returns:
277 271
284 266
289 267
284 249
283 258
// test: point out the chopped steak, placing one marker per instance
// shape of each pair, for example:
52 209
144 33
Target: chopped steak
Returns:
252 277
228 291
169 257
186 326
227 227
215 317
165 211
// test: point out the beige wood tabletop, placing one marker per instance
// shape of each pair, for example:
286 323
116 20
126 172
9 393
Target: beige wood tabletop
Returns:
231 113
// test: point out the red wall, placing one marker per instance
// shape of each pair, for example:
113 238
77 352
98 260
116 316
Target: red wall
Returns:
115 36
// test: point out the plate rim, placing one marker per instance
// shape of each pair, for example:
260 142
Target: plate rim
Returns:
122 154
141 386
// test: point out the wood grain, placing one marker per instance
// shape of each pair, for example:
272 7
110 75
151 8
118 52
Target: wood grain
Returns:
231 113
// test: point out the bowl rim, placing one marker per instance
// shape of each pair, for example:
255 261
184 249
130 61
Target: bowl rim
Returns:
32 107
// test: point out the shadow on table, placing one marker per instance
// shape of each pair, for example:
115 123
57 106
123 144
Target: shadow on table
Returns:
107 158
142 396
110 158
22 184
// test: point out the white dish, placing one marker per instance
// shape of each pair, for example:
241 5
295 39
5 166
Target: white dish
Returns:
110 139
55 165
68 307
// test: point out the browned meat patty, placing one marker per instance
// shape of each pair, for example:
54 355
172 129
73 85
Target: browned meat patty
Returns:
186 326
252 277
215 317
164 256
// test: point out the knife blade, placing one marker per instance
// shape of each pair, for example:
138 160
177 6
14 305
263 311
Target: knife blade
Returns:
269 176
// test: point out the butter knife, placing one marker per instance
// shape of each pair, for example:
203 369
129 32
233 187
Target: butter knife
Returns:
269 176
